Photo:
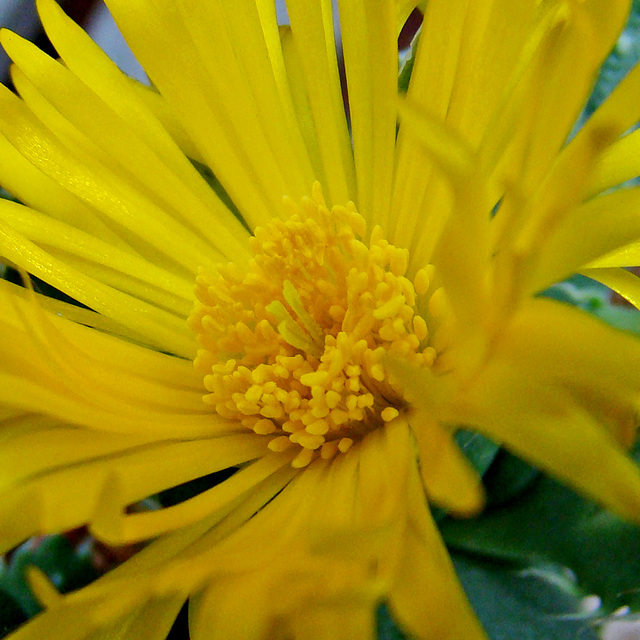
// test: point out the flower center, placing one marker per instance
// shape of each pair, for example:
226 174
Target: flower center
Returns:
293 344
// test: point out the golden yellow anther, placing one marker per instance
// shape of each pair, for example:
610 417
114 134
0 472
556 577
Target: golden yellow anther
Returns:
399 261
389 413
281 443
264 427
294 342
316 378
422 280
303 459
319 427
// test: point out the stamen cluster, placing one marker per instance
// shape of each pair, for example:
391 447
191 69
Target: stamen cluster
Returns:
293 343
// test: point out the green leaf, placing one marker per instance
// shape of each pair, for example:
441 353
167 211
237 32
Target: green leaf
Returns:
507 477
551 523
480 451
623 58
66 567
523 604
387 628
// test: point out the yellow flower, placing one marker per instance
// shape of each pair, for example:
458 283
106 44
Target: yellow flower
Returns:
359 293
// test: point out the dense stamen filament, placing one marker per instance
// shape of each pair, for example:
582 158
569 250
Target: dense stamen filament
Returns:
294 344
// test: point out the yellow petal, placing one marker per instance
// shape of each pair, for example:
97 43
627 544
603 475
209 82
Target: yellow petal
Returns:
229 136
371 51
65 240
585 234
582 39
461 241
111 523
426 600
539 419
561 344
86 177
38 191
42 500
432 82
617 164
255 75
151 324
171 178
312 28
450 481
621 281
105 611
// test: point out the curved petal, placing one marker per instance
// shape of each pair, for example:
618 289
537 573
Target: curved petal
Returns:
426 598
102 612
619 280
535 396
450 481
111 523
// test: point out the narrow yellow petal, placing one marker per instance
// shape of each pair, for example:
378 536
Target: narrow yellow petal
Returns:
534 253
35 452
371 51
523 399
564 345
206 112
25 396
450 481
83 174
577 46
64 240
621 281
135 104
97 614
151 324
217 611
561 439
433 77
494 35
41 587
43 499
111 523
312 27
16 304
221 539
38 191
426 590
261 66
247 99
384 460
617 164
297 86
159 109
585 234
